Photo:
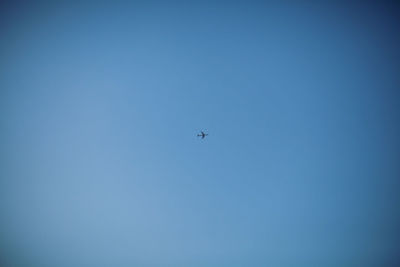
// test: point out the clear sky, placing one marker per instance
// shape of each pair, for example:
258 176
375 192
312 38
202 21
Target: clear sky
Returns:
100 105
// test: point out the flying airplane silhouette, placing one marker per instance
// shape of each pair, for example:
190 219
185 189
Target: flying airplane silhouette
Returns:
202 134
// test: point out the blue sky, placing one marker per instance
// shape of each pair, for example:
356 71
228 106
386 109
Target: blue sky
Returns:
101 104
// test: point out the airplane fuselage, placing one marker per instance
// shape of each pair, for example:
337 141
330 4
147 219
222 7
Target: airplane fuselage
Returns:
202 134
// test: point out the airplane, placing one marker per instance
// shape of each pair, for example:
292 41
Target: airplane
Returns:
202 134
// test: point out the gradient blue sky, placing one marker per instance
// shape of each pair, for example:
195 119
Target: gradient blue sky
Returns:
101 104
